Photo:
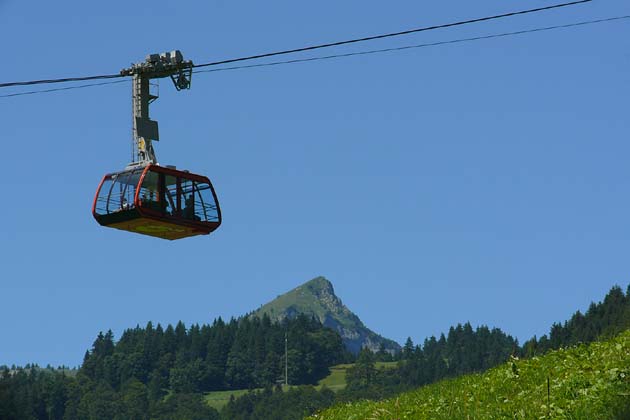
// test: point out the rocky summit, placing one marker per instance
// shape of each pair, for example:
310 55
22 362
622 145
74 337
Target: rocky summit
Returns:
317 298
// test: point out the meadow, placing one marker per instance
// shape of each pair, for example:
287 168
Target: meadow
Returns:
335 381
578 383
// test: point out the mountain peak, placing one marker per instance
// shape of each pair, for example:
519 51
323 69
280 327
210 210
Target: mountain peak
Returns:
317 298
319 283
320 286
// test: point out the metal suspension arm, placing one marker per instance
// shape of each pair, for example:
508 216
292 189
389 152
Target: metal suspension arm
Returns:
156 66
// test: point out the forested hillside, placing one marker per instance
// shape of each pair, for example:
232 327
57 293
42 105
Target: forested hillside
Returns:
603 319
244 353
156 373
577 383
131 378
462 350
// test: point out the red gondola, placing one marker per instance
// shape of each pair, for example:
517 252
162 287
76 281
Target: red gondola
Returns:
157 201
147 198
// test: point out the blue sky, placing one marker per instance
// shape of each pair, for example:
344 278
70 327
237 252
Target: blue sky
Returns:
484 182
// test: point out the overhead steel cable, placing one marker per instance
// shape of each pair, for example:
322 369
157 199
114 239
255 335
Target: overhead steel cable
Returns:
356 53
33 92
309 48
408 47
390 35
64 80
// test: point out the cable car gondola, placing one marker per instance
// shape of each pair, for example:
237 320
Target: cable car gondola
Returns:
157 201
145 197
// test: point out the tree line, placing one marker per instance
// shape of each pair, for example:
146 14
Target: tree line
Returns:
156 373
162 373
462 350
245 353
602 320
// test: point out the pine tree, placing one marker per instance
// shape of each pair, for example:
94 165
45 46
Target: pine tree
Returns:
407 351
363 373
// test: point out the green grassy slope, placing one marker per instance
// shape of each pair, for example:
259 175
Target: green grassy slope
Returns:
218 399
336 381
586 383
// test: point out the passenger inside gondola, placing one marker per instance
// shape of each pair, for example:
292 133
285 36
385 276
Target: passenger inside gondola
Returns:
165 205
125 205
189 210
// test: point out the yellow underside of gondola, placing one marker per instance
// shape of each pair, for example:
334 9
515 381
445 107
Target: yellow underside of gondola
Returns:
157 228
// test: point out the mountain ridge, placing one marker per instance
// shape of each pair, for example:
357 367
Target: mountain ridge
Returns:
317 298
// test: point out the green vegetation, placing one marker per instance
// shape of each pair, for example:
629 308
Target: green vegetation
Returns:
218 399
586 382
336 381
463 350
276 404
242 354
317 298
158 374
385 365
604 319
155 373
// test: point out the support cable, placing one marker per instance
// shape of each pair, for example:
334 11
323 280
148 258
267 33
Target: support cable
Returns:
351 54
408 47
411 31
309 48
64 80
33 92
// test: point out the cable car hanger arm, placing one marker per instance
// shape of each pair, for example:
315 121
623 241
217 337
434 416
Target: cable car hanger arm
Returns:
156 66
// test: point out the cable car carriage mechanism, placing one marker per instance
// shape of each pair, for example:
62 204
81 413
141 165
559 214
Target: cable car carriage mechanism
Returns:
147 198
